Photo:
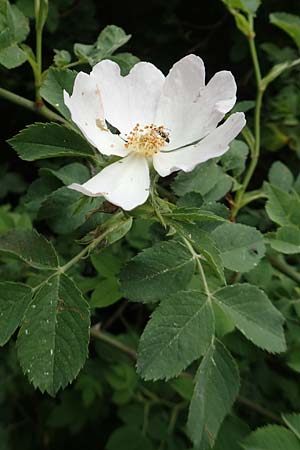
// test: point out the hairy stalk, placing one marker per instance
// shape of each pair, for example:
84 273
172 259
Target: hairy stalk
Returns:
199 266
154 202
255 149
89 248
42 110
83 253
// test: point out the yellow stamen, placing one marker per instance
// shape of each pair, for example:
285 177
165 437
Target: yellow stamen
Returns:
147 141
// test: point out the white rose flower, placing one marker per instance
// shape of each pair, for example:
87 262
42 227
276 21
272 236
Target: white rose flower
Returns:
170 122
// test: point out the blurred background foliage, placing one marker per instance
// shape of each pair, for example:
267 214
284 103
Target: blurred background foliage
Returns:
108 406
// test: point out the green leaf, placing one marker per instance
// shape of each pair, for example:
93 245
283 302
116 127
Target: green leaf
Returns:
11 182
271 437
126 61
49 140
61 209
14 28
184 386
19 24
157 272
86 53
297 184
12 56
206 179
38 191
287 240
74 172
30 247
283 208
202 179
247 6
110 39
53 340
56 81
27 7
235 158
223 323
204 245
241 246
216 387
254 315
290 23
119 232
106 293
180 330
12 220
61 58
128 438
231 433
106 263
281 176
191 214
14 300
293 422
243 106
251 5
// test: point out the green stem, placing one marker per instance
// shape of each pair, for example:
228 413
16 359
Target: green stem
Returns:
174 416
154 201
147 407
278 70
84 252
251 196
260 409
254 52
199 266
30 105
73 64
257 118
38 55
280 264
113 342
155 398
249 138
89 248
38 75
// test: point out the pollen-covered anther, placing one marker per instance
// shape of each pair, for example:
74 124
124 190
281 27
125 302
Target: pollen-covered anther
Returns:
147 140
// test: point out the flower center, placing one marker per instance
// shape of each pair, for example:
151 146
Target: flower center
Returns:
147 140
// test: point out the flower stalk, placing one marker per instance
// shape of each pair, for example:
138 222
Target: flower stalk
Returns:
255 147
42 110
41 13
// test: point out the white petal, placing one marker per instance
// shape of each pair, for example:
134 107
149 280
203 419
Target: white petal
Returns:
191 117
86 110
213 145
185 79
131 99
124 183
